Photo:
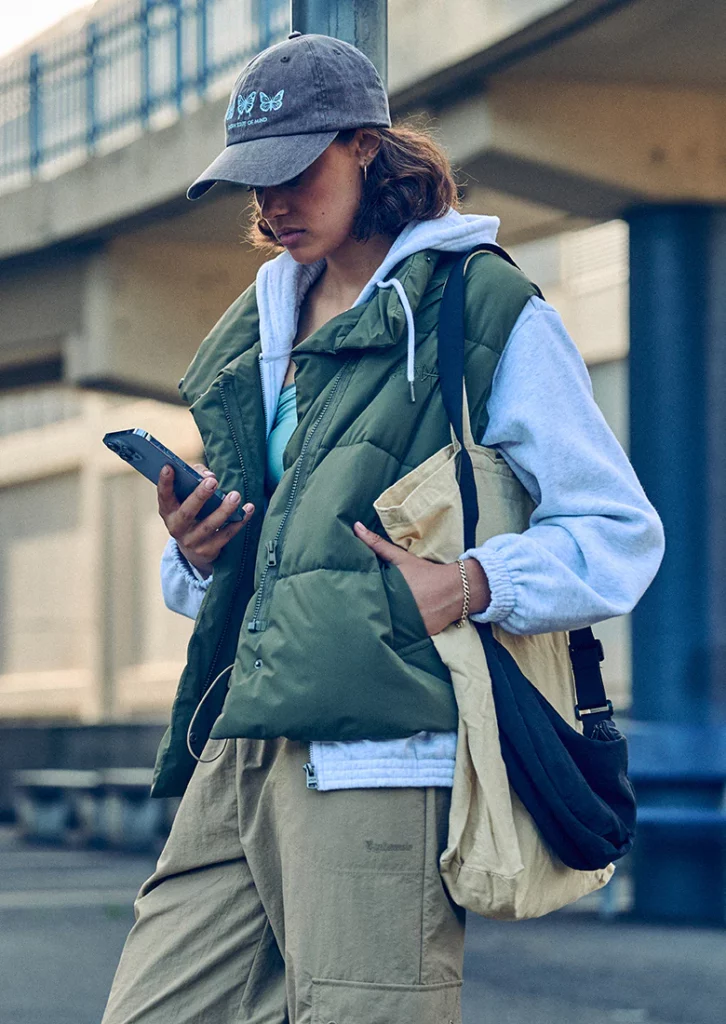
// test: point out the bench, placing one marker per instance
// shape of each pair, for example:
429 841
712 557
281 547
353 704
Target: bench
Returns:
109 807
50 805
130 818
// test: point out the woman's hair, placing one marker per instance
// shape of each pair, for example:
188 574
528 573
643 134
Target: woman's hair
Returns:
410 178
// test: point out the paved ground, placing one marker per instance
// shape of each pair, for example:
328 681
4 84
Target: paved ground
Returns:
64 915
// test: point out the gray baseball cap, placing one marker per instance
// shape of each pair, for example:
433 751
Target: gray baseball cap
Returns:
287 106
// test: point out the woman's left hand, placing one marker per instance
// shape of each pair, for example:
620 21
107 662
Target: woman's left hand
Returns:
437 587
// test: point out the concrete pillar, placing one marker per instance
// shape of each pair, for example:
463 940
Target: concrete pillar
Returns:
678 449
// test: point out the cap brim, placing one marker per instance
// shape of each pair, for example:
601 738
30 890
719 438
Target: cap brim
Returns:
262 162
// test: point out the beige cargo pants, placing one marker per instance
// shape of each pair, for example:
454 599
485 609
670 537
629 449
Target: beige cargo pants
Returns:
275 904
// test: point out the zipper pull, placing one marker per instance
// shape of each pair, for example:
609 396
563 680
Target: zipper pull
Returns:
311 779
271 547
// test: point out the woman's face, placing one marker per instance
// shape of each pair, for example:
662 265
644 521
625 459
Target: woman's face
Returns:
313 214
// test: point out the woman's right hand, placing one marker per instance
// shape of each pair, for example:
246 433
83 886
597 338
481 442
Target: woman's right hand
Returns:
199 540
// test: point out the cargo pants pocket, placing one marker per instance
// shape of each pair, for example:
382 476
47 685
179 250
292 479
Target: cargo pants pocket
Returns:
351 1002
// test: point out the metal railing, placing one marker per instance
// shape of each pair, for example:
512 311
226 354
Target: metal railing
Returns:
135 67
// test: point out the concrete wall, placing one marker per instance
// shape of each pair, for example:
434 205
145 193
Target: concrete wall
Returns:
84 634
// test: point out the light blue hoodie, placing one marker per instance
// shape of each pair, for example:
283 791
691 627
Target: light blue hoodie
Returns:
594 542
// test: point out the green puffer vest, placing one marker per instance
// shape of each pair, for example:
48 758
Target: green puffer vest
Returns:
327 642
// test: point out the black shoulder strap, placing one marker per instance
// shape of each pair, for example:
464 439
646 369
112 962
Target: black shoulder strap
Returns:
451 377
586 651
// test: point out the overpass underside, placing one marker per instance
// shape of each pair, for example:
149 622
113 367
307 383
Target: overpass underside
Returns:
563 115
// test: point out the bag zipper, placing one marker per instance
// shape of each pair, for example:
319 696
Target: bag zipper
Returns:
257 624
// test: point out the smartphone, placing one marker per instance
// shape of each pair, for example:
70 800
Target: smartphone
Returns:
145 453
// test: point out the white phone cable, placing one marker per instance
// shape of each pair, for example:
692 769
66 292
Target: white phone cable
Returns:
206 760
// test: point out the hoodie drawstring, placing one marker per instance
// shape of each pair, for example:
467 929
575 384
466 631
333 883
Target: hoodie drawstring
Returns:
393 282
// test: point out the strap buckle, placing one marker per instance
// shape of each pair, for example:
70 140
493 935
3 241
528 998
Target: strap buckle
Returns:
581 712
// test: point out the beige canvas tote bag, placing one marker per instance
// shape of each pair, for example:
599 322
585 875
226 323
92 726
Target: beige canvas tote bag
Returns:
495 862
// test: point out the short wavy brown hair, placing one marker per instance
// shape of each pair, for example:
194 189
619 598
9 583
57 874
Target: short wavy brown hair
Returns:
410 178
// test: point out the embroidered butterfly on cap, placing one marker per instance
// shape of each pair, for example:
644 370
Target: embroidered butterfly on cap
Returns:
244 105
271 102
288 104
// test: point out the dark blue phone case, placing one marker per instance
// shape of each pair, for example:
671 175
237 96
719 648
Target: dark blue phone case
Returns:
145 453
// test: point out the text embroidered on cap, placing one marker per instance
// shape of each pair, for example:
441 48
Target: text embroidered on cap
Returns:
245 104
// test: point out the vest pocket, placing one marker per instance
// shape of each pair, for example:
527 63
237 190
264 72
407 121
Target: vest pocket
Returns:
410 640
406 620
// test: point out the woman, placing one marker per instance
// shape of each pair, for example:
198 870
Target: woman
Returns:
300 881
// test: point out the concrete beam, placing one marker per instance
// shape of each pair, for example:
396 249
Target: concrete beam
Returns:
147 307
658 142
520 219
591 149
147 178
429 53
126 316
454 51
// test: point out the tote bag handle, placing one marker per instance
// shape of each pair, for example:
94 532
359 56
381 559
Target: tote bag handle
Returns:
586 651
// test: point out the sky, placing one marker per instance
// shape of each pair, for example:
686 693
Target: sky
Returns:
21 21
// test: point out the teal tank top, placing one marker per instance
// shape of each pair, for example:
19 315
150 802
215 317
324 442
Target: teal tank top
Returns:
282 428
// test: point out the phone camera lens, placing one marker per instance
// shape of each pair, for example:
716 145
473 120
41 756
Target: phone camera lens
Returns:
126 453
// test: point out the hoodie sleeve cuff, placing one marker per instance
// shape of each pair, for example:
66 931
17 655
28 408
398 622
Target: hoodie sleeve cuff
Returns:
182 591
188 571
500 585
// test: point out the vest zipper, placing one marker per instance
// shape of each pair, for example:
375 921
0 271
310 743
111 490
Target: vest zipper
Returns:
245 543
311 779
256 624
262 387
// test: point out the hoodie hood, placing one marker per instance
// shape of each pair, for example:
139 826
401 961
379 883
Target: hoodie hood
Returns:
282 284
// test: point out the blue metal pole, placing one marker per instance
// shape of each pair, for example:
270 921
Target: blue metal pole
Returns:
178 54
144 59
678 426
91 115
34 113
202 46
675 373
364 23
263 13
